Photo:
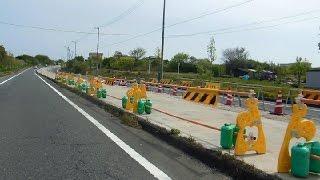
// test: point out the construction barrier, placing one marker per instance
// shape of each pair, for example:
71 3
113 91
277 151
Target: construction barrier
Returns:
153 80
250 118
110 81
311 97
134 95
95 85
212 85
298 127
166 81
186 83
202 95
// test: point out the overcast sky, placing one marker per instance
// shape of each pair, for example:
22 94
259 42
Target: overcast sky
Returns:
280 43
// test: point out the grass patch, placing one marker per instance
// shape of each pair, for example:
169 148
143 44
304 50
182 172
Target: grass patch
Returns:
175 132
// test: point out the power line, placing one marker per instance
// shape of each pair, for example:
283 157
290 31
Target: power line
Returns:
271 26
125 13
266 27
57 30
243 25
210 13
182 22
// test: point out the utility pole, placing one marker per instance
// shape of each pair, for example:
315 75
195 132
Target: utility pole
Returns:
75 48
68 52
98 28
162 42
178 67
149 69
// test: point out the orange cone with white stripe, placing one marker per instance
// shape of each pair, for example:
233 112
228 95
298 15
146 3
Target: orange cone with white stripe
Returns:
229 98
160 88
174 90
278 108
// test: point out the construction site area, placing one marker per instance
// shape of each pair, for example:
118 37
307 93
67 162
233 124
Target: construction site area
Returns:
235 119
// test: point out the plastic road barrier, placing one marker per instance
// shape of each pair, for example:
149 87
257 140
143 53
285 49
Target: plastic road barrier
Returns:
202 95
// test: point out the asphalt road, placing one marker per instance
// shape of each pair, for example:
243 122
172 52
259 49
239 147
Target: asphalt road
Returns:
43 136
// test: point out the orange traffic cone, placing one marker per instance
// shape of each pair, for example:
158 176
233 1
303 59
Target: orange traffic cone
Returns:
147 87
174 90
229 98
160 88
278 108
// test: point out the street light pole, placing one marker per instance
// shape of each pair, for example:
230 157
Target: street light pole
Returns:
162 42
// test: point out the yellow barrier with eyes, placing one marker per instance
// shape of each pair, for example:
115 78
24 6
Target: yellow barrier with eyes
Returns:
250 118
134 94
298 127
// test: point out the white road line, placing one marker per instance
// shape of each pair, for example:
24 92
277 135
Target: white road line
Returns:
13 77
157 173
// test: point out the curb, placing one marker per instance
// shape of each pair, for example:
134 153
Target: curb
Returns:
226 163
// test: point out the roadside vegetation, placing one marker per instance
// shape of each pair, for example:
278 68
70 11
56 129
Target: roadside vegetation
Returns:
9 63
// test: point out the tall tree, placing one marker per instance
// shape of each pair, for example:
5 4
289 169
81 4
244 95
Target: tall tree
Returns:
117 54
235 58
211 50
3 53
43 59
137 53
300 68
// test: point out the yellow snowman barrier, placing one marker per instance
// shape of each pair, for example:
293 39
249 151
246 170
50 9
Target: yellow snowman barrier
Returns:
95 85
297 128
136 93
250 118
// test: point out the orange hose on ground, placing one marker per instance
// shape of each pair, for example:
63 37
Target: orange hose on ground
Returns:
178 117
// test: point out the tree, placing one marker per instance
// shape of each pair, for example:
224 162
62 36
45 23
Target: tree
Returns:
300 68
138 53
43 59
3 53
235 58
117 54
107 61
178 60
79 59
123 63
28 59
204 66
211 50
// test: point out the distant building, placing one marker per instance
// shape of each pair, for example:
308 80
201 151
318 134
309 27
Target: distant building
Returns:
94 55
286 64
313 78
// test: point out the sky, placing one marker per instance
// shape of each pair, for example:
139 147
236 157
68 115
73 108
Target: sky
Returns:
286 28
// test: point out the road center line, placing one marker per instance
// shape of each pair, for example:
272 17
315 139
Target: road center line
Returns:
157 173
13 77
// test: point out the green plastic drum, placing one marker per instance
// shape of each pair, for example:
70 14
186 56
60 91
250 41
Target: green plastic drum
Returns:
148 106
103 93
227 136
300 160
124 101
315 164
99 94
141 106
